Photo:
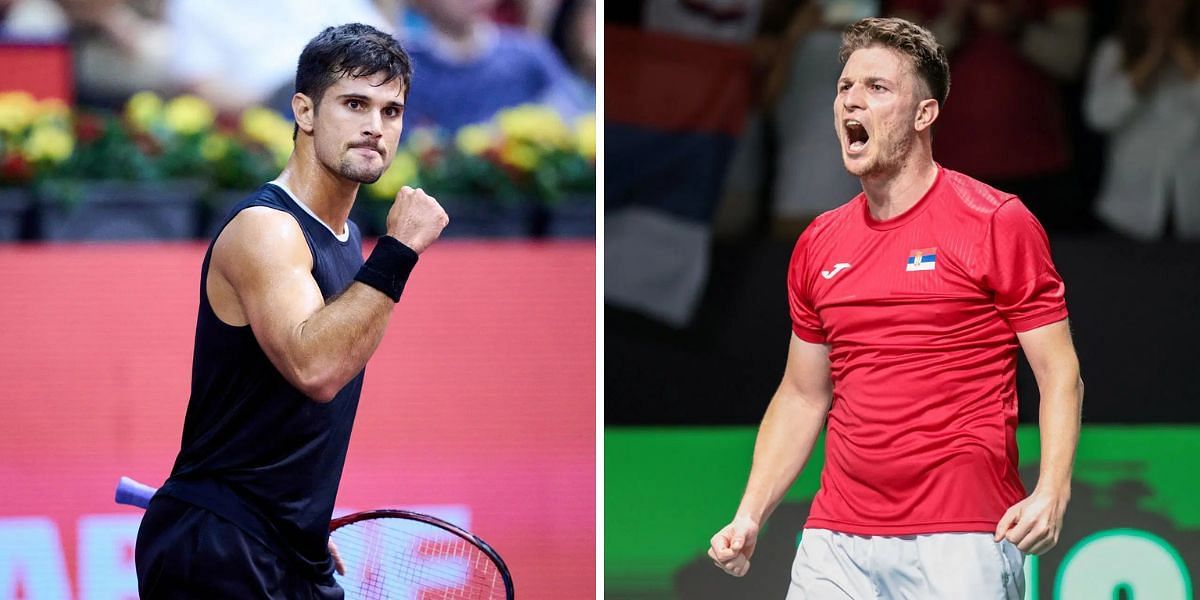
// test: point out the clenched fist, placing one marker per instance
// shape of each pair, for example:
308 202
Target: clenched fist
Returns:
416 219
732 546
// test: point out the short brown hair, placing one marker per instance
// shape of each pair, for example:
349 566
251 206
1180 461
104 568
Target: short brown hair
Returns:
917 43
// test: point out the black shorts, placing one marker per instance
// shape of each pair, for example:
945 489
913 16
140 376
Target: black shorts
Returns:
184 551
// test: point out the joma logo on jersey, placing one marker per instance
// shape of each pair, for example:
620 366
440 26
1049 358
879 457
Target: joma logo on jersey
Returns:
836 269
924 259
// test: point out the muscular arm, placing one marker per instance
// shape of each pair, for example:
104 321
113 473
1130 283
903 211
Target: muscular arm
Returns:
785 440
789 429
1056 368
1034 523
264 261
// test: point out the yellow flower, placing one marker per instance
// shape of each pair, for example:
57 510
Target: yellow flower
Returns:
47 143
281 149
537 124
188 115
264 125
585 136
402 172
520 155
17 111
473 140
214 147
143 110
53 110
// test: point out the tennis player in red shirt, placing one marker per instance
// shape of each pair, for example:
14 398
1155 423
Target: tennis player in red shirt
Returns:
908 305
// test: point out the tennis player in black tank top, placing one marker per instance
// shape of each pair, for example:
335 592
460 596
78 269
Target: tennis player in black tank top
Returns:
289 315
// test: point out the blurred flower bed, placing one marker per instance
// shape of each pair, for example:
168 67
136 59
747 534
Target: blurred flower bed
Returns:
152 140
527 154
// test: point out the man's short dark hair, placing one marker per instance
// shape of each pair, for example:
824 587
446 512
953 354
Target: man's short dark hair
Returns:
917 43
351 50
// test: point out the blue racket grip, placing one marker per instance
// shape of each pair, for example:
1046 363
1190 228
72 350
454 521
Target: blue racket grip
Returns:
133 493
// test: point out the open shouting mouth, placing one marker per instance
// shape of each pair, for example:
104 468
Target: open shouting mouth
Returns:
856 136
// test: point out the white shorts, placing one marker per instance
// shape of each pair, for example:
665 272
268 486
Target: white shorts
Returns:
938 566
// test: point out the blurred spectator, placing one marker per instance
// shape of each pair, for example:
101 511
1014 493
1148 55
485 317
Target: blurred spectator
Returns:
237 53
466 68
1144 93
789 157
1004 122
120 47
809 177
31 20
733 21
535 16
574 36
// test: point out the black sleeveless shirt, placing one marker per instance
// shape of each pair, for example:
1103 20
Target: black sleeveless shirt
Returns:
256 450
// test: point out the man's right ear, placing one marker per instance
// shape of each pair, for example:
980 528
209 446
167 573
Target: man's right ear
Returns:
303 109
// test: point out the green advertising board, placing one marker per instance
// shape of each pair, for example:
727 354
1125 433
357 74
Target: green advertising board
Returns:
1132 529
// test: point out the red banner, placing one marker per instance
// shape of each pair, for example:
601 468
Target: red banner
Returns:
480 400
42 69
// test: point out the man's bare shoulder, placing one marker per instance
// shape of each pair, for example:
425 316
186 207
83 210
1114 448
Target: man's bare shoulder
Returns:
260 238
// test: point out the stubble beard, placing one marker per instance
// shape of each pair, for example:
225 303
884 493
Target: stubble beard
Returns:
887 161
359 173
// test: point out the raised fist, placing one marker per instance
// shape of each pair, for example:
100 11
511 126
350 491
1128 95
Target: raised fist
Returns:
416 219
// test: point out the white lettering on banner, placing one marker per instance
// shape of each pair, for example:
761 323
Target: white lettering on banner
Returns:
106 567
1140 563
32 566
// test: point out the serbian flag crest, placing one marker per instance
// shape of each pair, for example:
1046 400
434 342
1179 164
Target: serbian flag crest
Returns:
924 259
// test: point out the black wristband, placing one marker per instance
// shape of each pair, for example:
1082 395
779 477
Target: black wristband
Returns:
388 267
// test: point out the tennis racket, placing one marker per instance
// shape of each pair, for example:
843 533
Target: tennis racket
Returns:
398 554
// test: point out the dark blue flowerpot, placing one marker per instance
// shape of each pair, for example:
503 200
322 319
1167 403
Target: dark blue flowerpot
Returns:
572 217
15 213
487 217
119 210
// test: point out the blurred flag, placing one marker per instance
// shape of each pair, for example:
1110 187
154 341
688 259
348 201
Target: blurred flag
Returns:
674 107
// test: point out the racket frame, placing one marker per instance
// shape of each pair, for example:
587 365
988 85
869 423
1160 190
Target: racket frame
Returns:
470 538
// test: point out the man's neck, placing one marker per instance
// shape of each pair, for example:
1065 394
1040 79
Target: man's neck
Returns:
890 195
327 195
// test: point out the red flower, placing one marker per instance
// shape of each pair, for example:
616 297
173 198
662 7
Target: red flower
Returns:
15 168
147 144
431 156
228 122
88 128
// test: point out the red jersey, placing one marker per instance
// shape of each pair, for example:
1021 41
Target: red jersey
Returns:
921 313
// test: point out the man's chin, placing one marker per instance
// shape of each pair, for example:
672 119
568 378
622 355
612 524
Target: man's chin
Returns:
364 176
857 168
369 178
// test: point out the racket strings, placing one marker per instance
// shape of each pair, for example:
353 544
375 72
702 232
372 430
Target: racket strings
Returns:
399 558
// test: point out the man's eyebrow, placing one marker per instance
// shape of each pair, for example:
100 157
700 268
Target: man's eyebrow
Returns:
353 96
868 80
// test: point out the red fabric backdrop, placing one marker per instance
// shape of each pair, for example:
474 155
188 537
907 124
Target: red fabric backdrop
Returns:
482 394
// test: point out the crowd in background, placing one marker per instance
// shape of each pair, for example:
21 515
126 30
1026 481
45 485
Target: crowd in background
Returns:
1089 111
471 57
107 104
